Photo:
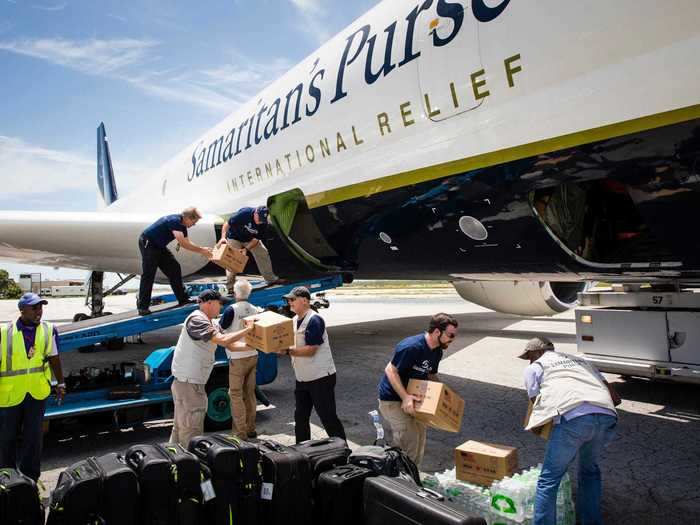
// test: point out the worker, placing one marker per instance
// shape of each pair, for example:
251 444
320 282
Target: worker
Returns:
242 363
313 367
416 357
244 229
153 244
193 362
572 394
29 354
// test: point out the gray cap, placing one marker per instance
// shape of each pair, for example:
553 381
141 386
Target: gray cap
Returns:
536 343
299 291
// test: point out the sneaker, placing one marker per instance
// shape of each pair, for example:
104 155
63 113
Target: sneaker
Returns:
252 435
145 312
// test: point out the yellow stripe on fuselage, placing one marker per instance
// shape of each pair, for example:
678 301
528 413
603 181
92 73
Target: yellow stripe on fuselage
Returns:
494 158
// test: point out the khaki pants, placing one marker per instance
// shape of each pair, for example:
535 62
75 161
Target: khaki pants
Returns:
241 390
408 433
262 259
190 402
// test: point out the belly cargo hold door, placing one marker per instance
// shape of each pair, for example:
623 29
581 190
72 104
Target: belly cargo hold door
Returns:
296 227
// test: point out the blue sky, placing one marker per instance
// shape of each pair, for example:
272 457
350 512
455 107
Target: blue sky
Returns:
158 73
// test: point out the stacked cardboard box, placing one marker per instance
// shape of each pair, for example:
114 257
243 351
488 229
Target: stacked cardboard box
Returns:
483 463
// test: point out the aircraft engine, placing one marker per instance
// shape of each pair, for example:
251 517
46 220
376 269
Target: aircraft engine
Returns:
522 297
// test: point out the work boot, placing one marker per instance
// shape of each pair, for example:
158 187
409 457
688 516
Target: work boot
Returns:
252 434
144 311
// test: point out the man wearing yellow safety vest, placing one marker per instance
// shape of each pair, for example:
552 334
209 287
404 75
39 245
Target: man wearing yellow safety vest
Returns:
28 355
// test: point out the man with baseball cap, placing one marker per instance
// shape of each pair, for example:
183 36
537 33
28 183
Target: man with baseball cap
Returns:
244 229
28 355
313 367
572 394
193 362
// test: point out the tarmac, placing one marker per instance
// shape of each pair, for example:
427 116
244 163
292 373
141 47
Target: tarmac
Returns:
650 471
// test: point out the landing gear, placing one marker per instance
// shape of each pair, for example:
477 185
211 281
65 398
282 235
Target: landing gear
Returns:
95 302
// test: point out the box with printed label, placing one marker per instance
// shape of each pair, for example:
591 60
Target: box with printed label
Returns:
272 332
479 462
229 258
440 407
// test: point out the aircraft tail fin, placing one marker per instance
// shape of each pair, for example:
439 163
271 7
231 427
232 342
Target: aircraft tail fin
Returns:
105 174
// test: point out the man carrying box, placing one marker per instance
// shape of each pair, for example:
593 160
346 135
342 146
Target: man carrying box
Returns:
242 363
416 357
570 392
313 367
244 230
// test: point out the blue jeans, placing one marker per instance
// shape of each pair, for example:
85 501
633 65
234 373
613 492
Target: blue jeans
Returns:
21 436
586 435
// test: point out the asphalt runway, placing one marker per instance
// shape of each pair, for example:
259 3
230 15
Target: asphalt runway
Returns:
650 471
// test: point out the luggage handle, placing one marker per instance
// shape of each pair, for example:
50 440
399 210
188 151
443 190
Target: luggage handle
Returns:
430 494
203 446
136 456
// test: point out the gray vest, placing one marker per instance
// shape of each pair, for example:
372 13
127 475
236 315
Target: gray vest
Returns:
321 363
240 310
568 382
193 360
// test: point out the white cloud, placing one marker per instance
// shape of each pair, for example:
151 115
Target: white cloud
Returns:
133 61
312 22
57 7
308 5
35 169
96 57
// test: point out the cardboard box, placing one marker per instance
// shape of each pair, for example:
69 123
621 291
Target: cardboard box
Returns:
543 431
484 463
440 407
272 332
229 258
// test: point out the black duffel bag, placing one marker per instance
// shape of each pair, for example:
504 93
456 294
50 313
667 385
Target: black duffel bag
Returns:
387 461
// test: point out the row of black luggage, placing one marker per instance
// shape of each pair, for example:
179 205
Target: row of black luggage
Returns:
223 480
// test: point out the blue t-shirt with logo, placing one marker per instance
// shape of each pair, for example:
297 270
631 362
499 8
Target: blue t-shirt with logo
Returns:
414 360
242 227
160 233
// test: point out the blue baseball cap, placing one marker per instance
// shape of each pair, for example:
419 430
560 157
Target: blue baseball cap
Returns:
263 212
30 299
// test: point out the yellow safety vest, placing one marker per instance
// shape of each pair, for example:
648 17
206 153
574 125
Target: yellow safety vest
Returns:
19 374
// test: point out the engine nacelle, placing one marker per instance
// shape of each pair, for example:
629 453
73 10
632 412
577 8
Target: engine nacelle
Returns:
522 297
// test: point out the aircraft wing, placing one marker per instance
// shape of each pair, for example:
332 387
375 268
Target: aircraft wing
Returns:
106 241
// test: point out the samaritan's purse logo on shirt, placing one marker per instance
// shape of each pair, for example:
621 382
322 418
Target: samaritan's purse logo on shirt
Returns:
423 367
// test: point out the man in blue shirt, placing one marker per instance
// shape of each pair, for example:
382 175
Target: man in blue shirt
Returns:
244 229
153 244
416 357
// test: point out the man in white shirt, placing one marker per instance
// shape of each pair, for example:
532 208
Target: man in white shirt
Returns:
571 393
242 363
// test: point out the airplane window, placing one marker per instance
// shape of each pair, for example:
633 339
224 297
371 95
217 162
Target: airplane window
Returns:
385 237
162 191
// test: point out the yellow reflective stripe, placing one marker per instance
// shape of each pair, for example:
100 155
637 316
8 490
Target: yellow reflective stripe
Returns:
34 370
494 158
10 336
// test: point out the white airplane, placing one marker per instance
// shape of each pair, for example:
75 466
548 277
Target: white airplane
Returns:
518 149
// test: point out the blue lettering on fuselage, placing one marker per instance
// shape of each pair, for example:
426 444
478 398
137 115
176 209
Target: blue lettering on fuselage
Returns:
305 98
